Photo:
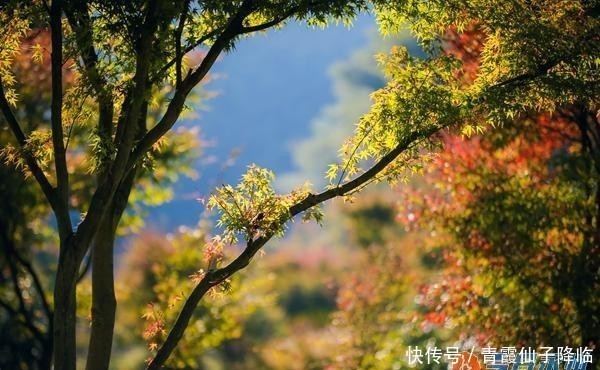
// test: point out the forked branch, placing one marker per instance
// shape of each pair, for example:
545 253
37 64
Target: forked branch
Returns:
215 277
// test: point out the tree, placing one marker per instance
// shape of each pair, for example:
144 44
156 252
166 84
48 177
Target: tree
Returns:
125 53
511 213
517 208
27 238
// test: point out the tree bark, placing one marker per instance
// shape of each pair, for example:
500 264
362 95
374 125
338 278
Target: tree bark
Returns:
104 303
64 309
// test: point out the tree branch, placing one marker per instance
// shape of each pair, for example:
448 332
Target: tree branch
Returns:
178 34
177 103
103 291
271 23
187 49
28 265
36 171
80 22
528 76
58 145
576 49
215 277
87 263
216 31
233 29
23 311
14 313
128 127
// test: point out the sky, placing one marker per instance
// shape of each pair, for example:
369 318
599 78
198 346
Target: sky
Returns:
269 91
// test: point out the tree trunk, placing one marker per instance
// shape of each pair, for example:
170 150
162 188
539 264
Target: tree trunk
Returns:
64 309
104 303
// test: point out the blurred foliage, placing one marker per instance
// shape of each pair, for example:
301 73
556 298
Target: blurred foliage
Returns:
510 213
154 291
506 220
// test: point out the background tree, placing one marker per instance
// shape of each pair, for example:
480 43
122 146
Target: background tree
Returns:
520 206
26 309
514 208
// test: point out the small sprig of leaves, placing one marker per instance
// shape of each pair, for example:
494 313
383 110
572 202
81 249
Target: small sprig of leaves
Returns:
155 326
213 252
12 156
14 27
253 208
39 146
